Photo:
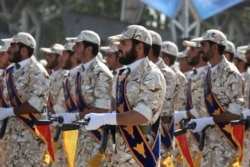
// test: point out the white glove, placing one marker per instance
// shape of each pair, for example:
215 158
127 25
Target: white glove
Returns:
6 112
246 113
201 123
180 115
97 120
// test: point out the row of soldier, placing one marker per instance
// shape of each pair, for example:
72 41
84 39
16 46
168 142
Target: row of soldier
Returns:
143 88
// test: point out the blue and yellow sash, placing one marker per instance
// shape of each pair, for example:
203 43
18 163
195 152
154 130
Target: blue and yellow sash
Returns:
70 101
214 108
143 153
82 104
167 134
28 120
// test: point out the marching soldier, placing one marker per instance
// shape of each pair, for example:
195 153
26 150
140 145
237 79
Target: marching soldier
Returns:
195 107
223 94
183 64
28 90
112 61
172 85
138 102
54 60
169 53
93 92
4 63
242 63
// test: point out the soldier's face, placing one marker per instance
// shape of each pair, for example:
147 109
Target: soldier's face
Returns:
206 48
52 60
111 60
193 56
127 52
14 52
66 61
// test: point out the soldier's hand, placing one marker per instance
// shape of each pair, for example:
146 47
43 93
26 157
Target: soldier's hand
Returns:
97 120
180 115
246 113
6 112
201 123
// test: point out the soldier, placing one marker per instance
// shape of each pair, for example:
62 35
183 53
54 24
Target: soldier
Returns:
195 107
112 61
229 52
183 63
223 93
4 63
169 53
54 59
172 84
93 91
242 63
28 90
145 91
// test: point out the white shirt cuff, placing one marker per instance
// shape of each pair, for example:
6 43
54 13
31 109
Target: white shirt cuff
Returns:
101 103
234 108
144 110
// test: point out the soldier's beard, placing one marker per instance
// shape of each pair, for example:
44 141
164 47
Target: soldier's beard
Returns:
16 57
128 57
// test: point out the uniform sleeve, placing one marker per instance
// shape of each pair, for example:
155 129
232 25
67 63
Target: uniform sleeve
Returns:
234 90
152 91
38 88
103 90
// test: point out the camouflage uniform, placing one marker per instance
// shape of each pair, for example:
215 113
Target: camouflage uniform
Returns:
23 148
71 74
96 87
172 86
56 91
197 94
180 100
246 154
144 78
3 143
227 85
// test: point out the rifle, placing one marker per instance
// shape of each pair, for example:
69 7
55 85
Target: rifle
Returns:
106 129
192 125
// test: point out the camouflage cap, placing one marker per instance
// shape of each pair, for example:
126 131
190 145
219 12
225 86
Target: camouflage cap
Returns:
86 35
214 36
169 47
156 38
56 49
137 32
22 37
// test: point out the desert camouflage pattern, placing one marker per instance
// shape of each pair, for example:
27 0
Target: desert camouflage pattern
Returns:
172 86
3 143
22 147
56 91
141 82
96 86
197 93
227 85
180 100
246 155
